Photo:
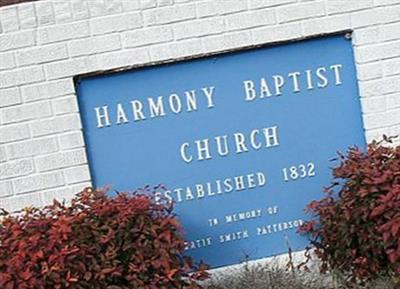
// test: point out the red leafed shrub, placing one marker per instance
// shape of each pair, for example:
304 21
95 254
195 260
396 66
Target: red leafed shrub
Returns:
356 226
128 241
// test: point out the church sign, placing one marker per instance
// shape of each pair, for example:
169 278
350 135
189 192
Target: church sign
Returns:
241 141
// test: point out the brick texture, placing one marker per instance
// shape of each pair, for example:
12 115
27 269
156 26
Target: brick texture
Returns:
43 44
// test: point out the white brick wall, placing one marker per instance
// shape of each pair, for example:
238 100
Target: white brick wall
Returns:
44 44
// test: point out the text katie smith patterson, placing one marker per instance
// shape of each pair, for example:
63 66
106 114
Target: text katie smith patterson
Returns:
199 150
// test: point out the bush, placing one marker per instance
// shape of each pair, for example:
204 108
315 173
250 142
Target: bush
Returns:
356 226
128 241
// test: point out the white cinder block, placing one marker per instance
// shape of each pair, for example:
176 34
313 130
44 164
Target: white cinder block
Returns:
65 105
44 12
21 76
328 24
71 140
27 15
9 18
391 84
371 88
42 54
33 147
113 6
391 67
26 112
376 120
378 51
38 182
12 169
300 11
79 9
368 35
369 71
16 40
16 203
390 32
49 89
198 28
178 49
255 4
250 19
3 156
123 58
162 3
393 100
60 160
128 5
146 4
341 6
147 36
227 41
105 25
169 14
366 18
97 8
62 11
69 68
95 45
10 96
373 104
63 32
77 175
7 60
55 125
63 194
12 133
6 189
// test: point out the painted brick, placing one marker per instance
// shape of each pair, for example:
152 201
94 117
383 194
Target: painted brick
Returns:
373 104
117 23
367 35
14 204
71 140
95 45
77 175
377 52
169 14
390 32
129 6
376 120
62 11
391 84
165 2
390 14
44 12
206 8
370 71
255 4
177 49
55 125
250 19
12 133
80 9
63 194
300 11
27 15
326 25
3 156
9 19
65 105
47 90
42 54
10 96
386 2
38 182
146 4
6 189
123 58
366 18
199 28
113 6
97 8
16 40
60 160
341 6
371 88
26 112
226 41
391 67
281 33
17 168
147 36
32 147
63 32
21 76
393 100
70 68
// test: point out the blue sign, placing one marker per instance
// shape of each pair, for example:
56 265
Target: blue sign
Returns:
242 141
